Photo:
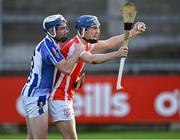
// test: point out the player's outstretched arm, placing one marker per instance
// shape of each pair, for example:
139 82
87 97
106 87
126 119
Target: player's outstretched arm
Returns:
101 58
115 41
67 65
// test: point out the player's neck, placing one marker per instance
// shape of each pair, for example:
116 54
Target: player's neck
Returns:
82 40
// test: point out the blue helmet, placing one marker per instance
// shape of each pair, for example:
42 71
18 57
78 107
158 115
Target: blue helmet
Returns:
53 21
86 21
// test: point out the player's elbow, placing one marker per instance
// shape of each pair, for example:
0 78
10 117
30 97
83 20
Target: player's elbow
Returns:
93 60
64 67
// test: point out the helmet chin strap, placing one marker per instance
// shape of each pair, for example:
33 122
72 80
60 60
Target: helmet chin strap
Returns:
83 32
92 41
52 35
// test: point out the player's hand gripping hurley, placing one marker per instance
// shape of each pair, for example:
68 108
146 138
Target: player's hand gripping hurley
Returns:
128 12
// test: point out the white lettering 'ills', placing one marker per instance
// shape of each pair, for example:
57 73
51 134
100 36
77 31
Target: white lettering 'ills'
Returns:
98 100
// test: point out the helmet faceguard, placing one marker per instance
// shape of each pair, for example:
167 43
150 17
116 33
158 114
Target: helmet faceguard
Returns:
52 22
83 23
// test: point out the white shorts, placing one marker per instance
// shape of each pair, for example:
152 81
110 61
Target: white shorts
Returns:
35 106
61 110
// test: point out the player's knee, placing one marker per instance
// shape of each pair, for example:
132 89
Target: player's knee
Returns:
71 135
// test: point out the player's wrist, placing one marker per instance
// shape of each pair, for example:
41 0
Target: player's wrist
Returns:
116 54
132 33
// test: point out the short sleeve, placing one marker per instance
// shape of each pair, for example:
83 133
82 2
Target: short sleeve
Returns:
51 52
71 50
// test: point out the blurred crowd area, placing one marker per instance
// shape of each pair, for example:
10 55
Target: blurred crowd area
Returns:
154 52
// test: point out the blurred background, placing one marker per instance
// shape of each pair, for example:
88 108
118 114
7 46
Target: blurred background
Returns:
152 69
153 51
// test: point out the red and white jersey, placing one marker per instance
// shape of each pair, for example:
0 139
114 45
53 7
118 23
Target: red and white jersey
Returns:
63 85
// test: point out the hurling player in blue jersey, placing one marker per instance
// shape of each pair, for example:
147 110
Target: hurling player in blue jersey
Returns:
46 60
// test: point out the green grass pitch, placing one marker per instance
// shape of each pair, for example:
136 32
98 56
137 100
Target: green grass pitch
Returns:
108 135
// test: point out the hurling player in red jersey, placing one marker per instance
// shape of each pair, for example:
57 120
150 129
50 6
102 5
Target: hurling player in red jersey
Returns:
61 98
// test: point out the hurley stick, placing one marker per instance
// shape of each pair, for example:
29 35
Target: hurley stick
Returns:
128 12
